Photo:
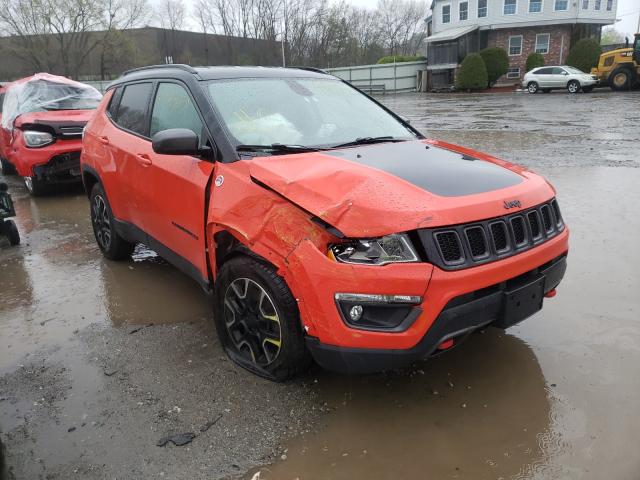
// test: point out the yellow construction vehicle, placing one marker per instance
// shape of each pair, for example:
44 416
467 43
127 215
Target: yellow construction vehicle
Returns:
620 69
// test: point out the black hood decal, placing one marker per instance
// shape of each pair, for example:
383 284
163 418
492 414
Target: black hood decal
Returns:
436 170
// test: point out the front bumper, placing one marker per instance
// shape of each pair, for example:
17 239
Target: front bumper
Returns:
461 316
58 162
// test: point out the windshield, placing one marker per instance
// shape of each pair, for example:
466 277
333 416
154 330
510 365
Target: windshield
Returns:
313 112
58 96
573 70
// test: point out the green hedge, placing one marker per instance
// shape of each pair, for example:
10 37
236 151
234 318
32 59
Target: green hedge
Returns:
496 61
534 60
472 74
401 58
584 54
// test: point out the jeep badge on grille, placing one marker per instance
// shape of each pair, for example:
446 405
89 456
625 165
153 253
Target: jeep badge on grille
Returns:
512 204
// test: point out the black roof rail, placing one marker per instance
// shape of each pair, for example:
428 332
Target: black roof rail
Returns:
180 66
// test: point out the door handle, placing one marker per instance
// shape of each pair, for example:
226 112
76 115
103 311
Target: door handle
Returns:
143 159
103 140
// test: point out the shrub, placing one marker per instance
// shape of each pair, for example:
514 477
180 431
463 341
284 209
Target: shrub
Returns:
472 74
584 54
496 61
400 59
534 60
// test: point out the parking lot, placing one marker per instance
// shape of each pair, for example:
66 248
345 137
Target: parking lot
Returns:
100 360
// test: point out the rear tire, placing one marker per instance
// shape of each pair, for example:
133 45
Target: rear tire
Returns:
573 86
621 79
258 321
112 245
532 87
34 186
11 231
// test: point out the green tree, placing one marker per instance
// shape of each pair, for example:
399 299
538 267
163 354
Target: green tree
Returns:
584 54
472 74
534 60
496 61
611 36
400 58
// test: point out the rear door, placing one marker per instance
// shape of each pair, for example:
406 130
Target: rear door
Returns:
172 189
126 135
544 77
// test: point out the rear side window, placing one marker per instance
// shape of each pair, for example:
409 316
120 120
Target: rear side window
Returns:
173 108
543 71
132 109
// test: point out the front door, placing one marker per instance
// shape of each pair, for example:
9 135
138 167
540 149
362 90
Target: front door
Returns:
172 188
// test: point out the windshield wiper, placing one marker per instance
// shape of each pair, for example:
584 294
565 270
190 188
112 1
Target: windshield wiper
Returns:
276 148
369 141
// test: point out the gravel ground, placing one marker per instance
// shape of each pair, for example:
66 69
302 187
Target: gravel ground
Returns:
99 361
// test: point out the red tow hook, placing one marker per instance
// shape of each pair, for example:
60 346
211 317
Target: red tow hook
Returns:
550 293
446 344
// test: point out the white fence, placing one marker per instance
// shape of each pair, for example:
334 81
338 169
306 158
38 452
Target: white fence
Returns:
384 78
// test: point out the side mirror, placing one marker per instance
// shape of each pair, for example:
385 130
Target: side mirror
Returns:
565 73
176 141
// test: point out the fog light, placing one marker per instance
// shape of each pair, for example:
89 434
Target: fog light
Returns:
355 313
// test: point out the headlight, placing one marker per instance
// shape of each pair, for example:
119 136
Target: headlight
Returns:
377 251
33 138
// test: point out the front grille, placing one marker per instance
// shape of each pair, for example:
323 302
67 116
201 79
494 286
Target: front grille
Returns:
449 246
467 245
477 242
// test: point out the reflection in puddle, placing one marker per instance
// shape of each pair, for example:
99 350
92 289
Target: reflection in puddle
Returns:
481 411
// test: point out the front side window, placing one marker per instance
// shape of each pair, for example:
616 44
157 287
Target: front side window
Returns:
446 13
464 10
515 45
535 6
513 72
173 108
510 7
542 43
482 8
561 5
314 112
132 110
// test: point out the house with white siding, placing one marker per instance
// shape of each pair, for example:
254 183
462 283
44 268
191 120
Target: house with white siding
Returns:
521 27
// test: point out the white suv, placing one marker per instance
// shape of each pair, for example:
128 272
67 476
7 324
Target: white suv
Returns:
549 78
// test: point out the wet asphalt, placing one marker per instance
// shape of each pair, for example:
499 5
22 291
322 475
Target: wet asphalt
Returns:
99 360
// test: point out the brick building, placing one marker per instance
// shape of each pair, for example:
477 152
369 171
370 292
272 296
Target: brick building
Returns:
521 27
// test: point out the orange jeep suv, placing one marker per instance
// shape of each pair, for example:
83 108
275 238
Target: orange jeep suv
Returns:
324 225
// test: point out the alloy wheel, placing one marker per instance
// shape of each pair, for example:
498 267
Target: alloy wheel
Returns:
28 183
101 223
573 87
620 80
252 321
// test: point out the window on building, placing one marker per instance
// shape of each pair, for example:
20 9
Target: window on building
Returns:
446 13
585 4
464 10
535 6
482 8
542 43
515 45
597 4
510 7
513 72
561 5
609 5
132 110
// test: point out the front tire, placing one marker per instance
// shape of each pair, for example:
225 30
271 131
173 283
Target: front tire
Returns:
532 87
7 168
258 321
112 245
621 79
573 86
34 186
